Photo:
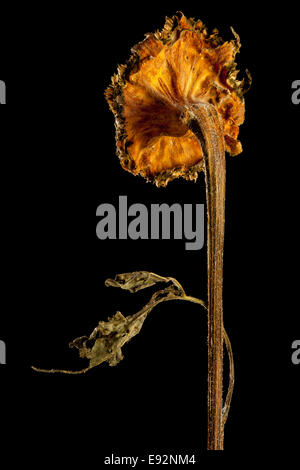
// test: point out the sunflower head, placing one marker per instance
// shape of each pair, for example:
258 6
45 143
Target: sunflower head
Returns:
171 70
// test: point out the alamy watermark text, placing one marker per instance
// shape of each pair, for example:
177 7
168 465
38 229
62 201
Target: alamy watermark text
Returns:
161 221
2 352
296 92
296 353
2 92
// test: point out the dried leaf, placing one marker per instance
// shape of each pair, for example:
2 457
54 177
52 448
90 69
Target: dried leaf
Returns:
107 339
135 281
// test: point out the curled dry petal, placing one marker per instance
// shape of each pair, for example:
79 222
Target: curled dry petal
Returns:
181 66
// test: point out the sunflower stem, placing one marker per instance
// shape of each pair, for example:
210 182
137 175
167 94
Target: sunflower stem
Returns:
204 121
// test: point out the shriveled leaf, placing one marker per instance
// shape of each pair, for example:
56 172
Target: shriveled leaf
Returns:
135 281
107 339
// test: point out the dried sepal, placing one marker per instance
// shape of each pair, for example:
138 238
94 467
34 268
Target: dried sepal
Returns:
181 66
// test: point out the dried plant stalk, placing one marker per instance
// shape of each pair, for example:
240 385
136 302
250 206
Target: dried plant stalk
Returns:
107 339
204 121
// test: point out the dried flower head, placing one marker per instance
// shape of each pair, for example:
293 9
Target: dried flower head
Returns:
171 70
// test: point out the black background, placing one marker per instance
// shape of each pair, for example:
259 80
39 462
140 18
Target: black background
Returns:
58 164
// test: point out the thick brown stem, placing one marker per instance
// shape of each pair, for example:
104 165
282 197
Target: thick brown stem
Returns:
204 121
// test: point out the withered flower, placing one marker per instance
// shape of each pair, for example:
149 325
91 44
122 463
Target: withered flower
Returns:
178 105
170 72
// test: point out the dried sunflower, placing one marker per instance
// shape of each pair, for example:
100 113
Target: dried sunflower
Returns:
170 72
